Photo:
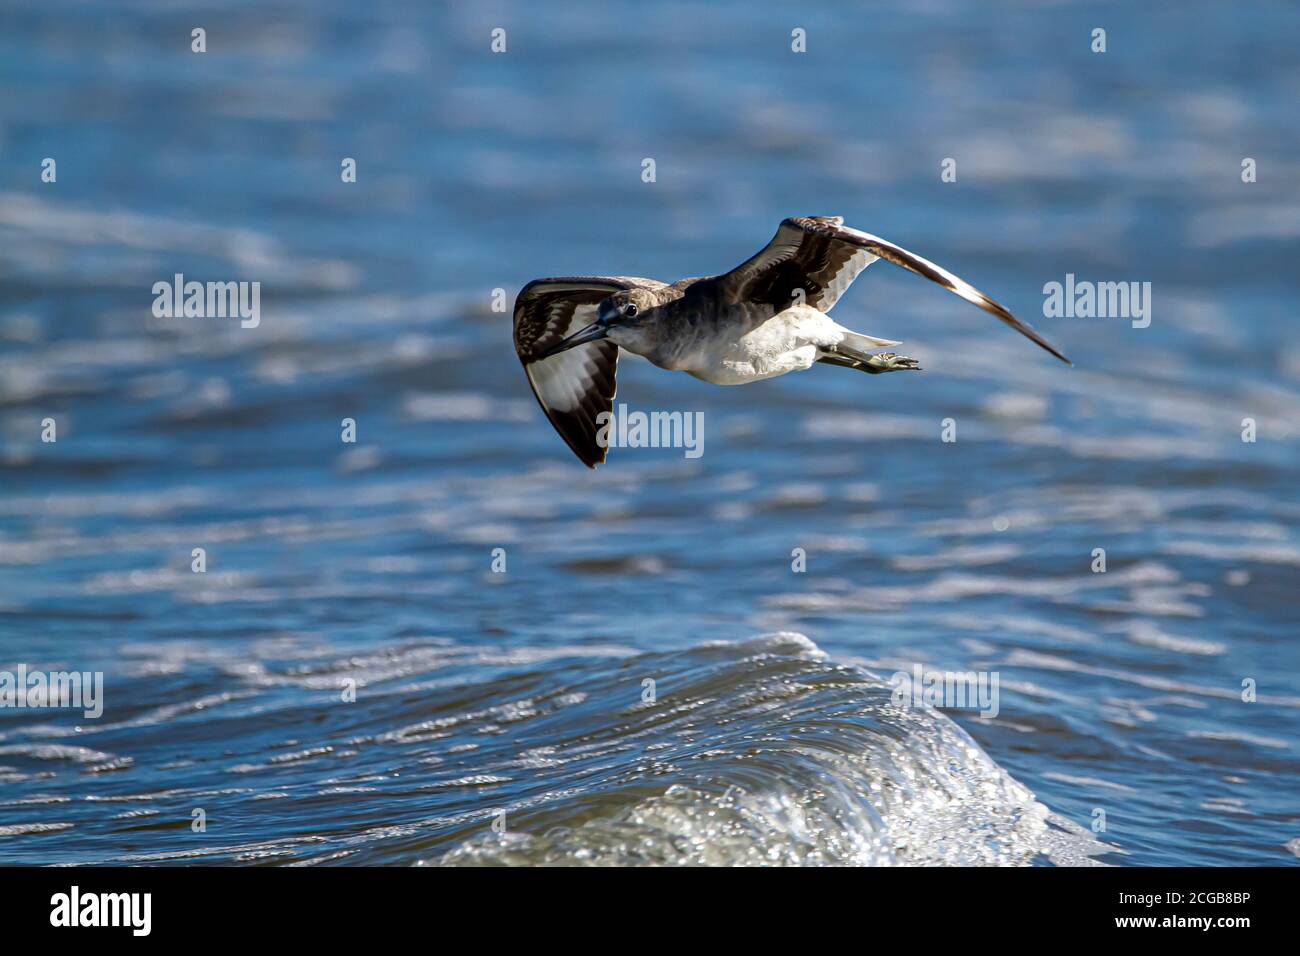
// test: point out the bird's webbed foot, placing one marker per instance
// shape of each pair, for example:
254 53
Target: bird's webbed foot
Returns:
867 362
889 362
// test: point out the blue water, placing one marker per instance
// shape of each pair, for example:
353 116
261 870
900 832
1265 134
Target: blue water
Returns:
518 698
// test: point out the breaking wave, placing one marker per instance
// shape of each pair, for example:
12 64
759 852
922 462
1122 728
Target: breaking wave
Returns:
765 752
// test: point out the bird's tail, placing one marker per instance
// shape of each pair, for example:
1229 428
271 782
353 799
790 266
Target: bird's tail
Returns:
857 342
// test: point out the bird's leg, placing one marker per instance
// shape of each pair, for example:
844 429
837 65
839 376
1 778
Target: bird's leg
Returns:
872 364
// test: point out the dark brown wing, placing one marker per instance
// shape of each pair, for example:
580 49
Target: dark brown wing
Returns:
576 385
800 261
821 256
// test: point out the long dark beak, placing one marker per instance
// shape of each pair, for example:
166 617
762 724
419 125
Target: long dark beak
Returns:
591 333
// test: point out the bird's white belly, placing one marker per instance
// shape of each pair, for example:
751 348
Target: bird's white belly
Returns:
787 342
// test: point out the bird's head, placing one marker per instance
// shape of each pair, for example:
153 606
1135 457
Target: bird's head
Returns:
621 317
626 308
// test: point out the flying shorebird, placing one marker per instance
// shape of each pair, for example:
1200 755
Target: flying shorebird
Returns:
766 317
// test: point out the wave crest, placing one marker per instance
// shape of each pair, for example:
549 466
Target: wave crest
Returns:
764 752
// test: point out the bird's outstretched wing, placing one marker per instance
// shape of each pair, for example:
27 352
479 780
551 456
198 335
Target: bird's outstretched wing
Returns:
821 256
576 385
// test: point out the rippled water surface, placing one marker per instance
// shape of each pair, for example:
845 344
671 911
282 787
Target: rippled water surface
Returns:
648 681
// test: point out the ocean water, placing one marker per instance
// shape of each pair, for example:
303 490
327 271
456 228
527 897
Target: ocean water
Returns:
649 680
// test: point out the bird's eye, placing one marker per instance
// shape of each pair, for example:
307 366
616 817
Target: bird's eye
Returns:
629 310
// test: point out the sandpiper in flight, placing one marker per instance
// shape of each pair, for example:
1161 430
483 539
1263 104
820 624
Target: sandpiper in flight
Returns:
766 317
